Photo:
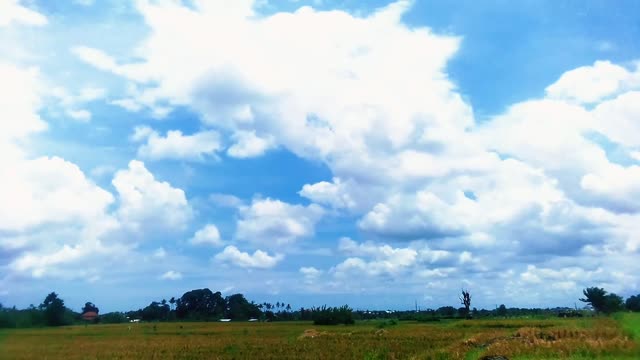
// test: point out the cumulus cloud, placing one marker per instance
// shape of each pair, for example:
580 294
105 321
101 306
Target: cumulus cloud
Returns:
208 235
259 259
384 259
171 275
247 145
273 222
175 145
310 274
589 84
143 200
406 156
11 11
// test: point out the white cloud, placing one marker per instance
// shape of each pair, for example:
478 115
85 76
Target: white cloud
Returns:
589 84
226 200
144 200
618 118
48 190
338 194
127 104
310 274
369 97
175 145
208 235
12 12
385 260
259 259
247 145
80 115
171 275
273 222
618 186
160 253
95 57
20 100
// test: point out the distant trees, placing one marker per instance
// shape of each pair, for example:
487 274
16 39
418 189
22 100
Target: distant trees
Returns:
633 303
332 315
601 301
502 310
54 310
201 304
238 308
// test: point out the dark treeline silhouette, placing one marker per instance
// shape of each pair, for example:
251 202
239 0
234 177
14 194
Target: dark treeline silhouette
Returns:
205 305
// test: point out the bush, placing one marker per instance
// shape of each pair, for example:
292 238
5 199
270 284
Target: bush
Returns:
332 315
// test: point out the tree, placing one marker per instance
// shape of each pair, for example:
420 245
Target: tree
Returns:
155 311
201 304
502 310
613 303
89 306
596 297
633 303
465 300
238 308
53 308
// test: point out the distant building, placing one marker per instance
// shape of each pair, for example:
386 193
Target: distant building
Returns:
90 315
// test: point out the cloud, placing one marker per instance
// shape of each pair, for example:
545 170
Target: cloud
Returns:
160 253
80 115
310 274
247 145
226 200
259 259
208 235
145 201
175 145
171 275
590 84
48 190
619 187
20 100
273 222
338 194
385 259
12 12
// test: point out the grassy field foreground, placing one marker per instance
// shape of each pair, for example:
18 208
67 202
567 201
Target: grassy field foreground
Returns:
606 338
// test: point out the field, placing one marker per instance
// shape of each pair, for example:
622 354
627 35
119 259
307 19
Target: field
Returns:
588 338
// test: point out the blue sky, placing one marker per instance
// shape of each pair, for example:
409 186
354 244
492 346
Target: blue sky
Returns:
319 151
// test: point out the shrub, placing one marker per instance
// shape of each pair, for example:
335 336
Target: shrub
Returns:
332 315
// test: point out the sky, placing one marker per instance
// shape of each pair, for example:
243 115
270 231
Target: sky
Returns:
319 152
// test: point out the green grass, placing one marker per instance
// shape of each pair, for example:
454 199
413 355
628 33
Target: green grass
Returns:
592 338
630 322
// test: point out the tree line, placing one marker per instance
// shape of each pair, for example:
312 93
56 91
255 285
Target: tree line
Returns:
205 305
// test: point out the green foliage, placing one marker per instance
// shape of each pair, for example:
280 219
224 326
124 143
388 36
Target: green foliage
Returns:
502 310
238 308
332 315
54 311
596 297
601 301
201 304
113 318
633 303
155 312
386 323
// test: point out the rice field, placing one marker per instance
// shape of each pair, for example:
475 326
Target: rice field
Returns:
588 338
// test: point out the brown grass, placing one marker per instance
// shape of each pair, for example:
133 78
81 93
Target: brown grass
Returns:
531 339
